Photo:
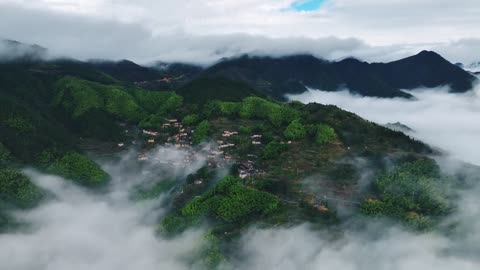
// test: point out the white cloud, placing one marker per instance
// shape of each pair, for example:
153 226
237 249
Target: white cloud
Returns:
80 229
197 31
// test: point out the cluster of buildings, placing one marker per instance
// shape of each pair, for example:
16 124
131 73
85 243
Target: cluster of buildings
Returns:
248 170
216 157
172 123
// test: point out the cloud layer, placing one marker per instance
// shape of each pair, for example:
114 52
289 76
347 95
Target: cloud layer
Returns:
205 31
107 231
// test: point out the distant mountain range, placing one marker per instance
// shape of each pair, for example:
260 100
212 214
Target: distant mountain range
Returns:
294 74
276 77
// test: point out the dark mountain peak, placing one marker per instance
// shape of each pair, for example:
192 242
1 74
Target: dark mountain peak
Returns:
128 63
426 53
426 69
292 74
351 61
424 58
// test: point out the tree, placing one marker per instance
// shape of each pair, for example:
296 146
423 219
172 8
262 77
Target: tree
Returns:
201 132
190 119
80 169
325 134
17 189
274 149
153 121
4 154
295 131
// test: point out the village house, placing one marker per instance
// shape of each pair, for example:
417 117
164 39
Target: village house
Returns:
150 132
228 134
198 181
151 141
243 174
226 145
121 144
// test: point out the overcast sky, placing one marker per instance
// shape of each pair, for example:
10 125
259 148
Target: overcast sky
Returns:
204 31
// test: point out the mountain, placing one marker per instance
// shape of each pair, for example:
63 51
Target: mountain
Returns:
426 69
285 163
156 76
202 90
399 127
14 50
293 74
125 70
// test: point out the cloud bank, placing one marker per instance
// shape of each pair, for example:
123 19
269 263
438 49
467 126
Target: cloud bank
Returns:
79 229
206 31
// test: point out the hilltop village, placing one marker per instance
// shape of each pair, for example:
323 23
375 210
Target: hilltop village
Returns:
221 153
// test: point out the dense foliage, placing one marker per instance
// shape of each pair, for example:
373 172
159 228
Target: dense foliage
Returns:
201 132
190 119
79 98
229 201
80 169
274 149
4 154
295 131
325 134
18 190
275 113
413 192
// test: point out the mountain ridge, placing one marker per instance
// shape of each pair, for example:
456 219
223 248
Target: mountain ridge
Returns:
293 74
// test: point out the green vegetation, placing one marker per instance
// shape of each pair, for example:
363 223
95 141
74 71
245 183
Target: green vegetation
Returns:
201 132
21 124
211 256
276 114
161 102
414 193
18 190
153 121
295 131
79 98
190 119
4 154
80 169
45 110
229 201
274 149
325 134
355 131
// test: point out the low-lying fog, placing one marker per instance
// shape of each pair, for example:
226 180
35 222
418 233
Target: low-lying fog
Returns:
82 230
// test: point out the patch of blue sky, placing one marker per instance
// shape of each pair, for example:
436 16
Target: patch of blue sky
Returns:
307 5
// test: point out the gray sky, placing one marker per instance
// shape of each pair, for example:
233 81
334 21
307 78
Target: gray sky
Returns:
204 31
